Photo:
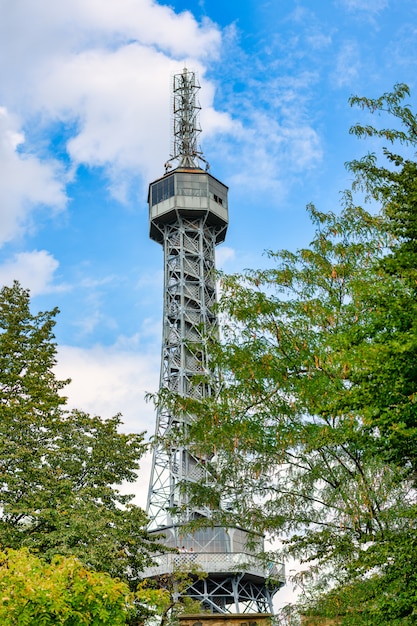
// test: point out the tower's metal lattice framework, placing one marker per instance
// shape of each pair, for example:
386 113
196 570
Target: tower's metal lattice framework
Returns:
188 217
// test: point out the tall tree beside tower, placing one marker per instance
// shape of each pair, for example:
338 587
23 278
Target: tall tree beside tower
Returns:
61 470
311 431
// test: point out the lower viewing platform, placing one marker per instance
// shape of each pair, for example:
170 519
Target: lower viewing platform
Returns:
219 563
236 578
231 553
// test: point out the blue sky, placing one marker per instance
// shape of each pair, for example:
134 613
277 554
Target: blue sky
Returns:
85 126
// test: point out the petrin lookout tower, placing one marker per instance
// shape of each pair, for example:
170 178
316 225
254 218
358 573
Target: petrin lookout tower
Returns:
188 216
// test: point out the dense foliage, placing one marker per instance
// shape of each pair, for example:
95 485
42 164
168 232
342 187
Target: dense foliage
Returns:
311 430
33 591
60 470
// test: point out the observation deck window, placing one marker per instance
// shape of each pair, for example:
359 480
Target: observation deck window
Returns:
196 188
162 190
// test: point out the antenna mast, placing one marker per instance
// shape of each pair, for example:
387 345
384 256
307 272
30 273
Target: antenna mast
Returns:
187 129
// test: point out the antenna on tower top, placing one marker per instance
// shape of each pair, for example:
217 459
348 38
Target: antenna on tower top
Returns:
186 109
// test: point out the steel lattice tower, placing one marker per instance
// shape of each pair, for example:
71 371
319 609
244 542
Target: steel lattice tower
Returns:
189 217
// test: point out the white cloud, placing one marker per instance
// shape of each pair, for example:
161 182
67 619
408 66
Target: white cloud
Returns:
121 99
319 41
403 47
26 182
223 255
37 32
122 102
371 7
34 270
103 66
347 64
110 380
279 147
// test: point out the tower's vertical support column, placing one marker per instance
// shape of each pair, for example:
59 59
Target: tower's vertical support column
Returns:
188 317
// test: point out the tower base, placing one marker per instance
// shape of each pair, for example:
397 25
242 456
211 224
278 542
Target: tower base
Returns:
204 619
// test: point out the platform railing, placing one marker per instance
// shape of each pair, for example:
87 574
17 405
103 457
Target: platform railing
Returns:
216 562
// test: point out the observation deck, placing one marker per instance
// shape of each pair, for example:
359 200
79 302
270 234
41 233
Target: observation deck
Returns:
189 193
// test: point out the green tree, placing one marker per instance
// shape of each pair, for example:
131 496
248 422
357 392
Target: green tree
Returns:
311 426
386 383
60 470
33 591
383 389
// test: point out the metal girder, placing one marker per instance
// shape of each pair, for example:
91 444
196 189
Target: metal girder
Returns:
233 593
188 317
